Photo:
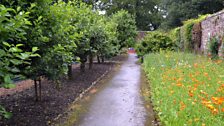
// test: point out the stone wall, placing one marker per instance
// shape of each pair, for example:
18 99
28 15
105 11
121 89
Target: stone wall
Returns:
212 26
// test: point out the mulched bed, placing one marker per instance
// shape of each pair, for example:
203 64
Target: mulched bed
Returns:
27 112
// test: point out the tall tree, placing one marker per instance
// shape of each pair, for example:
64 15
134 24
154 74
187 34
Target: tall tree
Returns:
177 11
146 12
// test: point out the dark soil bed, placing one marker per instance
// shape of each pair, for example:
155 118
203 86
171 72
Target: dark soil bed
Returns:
27 112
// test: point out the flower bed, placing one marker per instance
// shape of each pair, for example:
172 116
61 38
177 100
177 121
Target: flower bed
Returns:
186 89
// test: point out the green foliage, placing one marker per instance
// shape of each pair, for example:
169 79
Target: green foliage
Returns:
43 37
14 58
112 37
13 25
183 87
4 113
144 19
154 42
174 35
182 36
177 11
213 47
126 28
188 45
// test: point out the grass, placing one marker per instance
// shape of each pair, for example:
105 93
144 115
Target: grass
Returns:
186 89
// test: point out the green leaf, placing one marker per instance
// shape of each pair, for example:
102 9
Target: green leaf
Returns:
8 86
39 18
7 115
16 61
18 45
18 8
7 44
15 70
2 53
34 49
28 22
35 55
15 49
4 113
33 5
24 56
7 79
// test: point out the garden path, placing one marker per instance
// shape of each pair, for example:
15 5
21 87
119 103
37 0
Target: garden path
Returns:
120 103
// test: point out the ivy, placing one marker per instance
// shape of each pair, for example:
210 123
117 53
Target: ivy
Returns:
213 47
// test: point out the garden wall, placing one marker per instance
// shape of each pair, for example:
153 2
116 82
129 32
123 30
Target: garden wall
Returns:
212 26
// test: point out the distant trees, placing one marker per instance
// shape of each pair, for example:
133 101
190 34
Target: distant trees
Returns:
154 14
145 11
177 11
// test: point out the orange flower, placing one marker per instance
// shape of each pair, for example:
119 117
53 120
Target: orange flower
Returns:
206 74
215 111
195 65
222 110
218 61
190 93
182 106
211 107
196 85
205 102
218 100
179 84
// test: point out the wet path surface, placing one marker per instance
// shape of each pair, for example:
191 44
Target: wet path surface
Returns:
120 103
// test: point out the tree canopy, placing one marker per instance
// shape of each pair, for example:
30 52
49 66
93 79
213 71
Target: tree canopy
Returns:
42 38
177 11
154 14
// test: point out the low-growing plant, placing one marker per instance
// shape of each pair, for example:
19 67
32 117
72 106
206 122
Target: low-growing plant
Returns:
186 89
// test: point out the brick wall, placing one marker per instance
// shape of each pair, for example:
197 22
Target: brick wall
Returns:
212 26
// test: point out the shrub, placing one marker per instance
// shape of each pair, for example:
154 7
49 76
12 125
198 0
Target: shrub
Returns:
175 36
213 47
154 42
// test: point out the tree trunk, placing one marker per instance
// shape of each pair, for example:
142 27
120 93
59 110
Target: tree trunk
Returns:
40 89
36 93
102 58
69 72
142 59
90 61
98 58
37 86
82 66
